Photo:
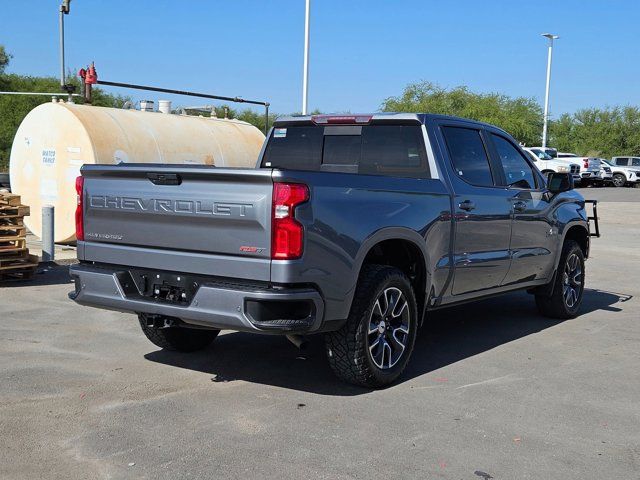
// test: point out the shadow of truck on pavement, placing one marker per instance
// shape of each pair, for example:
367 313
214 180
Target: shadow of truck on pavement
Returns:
451 335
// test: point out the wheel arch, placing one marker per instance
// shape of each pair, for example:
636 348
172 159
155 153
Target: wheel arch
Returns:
402 248
580 234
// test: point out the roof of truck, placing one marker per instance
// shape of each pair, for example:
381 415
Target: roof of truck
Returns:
376 117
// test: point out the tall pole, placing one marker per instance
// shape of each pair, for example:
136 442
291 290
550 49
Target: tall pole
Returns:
62 79
545 123
305 72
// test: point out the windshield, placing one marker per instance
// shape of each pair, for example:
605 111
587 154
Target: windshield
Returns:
608 162
541 154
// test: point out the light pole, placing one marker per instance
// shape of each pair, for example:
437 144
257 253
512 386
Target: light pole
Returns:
305 68
551 38
64 10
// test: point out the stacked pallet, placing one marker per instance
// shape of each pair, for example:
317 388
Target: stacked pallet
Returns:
15 261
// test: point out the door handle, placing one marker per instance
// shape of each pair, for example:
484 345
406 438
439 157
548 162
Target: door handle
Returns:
519 206
467 205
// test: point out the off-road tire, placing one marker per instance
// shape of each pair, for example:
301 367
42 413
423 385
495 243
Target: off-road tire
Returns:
555 306
347 348
180 339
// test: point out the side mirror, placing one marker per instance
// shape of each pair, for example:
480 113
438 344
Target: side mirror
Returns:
559 182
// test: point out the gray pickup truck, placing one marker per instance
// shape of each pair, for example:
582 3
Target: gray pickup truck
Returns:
352 226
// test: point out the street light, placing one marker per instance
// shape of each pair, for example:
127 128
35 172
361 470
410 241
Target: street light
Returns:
551 38
305 68
64 10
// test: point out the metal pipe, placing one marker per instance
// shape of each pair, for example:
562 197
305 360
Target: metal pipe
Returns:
180 92
305 68
266 118
48 246
57 94
299 341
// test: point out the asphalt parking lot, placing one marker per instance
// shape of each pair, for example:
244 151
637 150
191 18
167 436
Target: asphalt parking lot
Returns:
493 390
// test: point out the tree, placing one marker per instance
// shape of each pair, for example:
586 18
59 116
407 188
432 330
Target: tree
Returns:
4 58
598 132
521 116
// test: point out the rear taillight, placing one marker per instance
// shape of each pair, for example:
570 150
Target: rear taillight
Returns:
287 233
586 163
79 219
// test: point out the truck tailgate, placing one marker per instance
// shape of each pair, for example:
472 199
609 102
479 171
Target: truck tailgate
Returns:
177 211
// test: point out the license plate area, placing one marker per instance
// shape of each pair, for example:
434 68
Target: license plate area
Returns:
166 287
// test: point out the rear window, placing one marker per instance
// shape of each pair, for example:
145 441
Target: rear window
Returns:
393 150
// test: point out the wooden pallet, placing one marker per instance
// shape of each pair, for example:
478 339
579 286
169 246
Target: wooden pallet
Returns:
7 258
12 246
28 261
11 222
14 211
9 199
17 266
10 235
12 231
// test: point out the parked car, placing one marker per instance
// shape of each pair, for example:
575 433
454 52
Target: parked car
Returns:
590 168
605 172
546 164
621 175
590 171
552 152
626 161
353 226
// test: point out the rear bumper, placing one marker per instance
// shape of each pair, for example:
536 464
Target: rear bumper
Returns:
215 304
591 176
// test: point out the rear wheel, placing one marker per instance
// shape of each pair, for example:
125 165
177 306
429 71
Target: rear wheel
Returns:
181 339
374 346
568 288
618 180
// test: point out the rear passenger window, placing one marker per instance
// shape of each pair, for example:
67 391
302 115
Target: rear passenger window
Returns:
622 161
516 169
393 150
468 155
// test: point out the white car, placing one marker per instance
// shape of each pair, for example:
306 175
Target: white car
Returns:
622 175
626 161
547 164
605 170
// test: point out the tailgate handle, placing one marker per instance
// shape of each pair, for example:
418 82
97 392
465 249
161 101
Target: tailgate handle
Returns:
164 178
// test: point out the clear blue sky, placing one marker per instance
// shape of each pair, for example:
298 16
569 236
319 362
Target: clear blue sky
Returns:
362 51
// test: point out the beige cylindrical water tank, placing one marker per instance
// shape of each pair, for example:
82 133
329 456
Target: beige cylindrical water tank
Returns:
55 139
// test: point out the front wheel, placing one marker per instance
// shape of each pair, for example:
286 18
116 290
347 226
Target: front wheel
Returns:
181 339
374 345
568 287
618 180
